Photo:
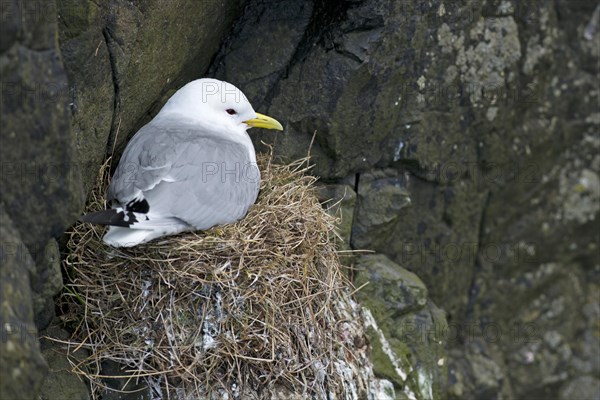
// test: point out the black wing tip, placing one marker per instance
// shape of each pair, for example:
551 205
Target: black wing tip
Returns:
110 217
84 218
138 206
91 218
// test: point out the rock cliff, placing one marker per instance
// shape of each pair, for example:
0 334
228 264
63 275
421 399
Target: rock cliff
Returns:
461 138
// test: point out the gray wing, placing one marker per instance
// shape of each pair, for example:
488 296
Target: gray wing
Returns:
146 161
191 174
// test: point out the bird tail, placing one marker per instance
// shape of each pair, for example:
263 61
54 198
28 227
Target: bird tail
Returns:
117 236
128 228
125 237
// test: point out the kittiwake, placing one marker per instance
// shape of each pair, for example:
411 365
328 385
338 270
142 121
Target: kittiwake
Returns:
191 168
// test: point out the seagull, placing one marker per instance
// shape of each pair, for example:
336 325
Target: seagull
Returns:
191 168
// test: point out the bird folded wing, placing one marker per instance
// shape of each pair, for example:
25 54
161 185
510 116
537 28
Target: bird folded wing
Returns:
211 182
190 174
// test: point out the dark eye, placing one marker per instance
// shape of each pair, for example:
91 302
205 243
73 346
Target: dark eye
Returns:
231 111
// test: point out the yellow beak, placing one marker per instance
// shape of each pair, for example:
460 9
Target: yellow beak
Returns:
262 121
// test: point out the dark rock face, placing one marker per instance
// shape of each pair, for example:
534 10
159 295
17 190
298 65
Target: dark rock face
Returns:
461 137
22 367
36 139
467 131
40 195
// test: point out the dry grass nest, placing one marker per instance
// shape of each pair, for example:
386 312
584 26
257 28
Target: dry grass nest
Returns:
217 313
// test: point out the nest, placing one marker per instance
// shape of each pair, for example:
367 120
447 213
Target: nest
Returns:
222 313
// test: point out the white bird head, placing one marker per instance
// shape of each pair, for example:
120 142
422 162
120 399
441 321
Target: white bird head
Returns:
217 103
